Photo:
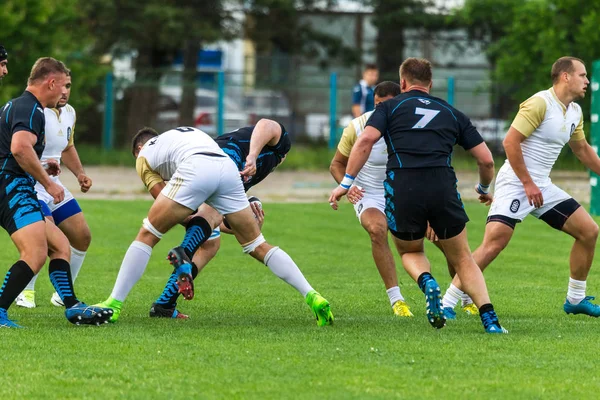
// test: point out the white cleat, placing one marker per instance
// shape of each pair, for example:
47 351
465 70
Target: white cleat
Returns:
56 300
26 299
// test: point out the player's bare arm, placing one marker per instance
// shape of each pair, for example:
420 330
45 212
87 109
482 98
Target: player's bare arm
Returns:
358 157
22 149
71 159
512 147
485 162
338 165
266 132
586 154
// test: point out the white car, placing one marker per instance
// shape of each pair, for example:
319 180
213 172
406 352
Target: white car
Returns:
205 111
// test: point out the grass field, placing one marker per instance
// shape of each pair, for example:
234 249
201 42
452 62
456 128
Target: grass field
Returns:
251 336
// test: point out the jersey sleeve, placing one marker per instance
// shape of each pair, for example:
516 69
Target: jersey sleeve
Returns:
578 134
71 138
469 136
30 120
147 174
356 95
530 116
379 118
347 141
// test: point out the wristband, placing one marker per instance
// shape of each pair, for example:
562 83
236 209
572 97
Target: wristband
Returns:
347 181
483 189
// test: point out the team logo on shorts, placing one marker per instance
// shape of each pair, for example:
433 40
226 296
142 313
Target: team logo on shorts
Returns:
514 206
360 207
572 129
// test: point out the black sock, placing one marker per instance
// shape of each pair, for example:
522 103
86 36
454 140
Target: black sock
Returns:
60 276
423 279
485 308
197 231
16 279
170 293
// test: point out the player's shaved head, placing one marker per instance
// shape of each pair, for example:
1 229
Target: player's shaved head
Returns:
44 67
416 71
562 65
140 138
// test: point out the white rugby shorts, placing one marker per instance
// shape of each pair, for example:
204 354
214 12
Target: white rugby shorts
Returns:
45 197
372 199
511 201
207 179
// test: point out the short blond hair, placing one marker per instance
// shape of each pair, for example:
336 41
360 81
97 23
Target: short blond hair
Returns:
416 70
45 66
563 64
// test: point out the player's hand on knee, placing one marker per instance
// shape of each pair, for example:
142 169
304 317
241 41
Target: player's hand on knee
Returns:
56 191
430 234
250 167
259 214
52 167
534 195
85 183
355 194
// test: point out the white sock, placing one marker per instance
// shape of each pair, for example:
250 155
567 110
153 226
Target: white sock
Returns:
282 265
576 291
132 268
77 257
31 284
466 299
394 295
452 296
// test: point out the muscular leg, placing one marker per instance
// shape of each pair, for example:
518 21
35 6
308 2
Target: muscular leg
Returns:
78 232
206 252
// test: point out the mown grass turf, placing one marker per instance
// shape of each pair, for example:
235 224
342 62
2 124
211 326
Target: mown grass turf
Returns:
251 336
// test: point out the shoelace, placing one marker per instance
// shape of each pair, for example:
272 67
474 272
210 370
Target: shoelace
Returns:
490 318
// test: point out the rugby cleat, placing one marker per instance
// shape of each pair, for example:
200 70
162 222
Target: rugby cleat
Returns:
26 299
82 314
471 309
435 310
160 311
490 323
584 307
56 300
320 308
183 269
401 309
111 304
5 322
449 313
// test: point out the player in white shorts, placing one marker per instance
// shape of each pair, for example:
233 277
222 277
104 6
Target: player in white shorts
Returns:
196 171
67 215
370 210
545 123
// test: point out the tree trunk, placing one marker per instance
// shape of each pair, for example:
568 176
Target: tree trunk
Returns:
188 93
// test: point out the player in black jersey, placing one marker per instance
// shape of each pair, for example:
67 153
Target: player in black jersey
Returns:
420 131
22 141
3 62
256 151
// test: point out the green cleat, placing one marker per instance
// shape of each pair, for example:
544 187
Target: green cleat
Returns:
320 308
114 305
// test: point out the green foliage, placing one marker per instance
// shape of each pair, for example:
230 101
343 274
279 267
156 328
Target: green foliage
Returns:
39 28
526 37
251 336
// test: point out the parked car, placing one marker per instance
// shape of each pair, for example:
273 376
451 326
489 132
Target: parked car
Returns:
205 111
270 104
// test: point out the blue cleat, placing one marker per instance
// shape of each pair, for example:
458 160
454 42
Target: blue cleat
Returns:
449 313
183 269
584 307
82 314
5 322
435 310
491 323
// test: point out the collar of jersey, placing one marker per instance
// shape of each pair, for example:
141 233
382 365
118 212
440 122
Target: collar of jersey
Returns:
558 100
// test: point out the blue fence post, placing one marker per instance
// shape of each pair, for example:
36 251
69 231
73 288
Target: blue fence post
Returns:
220 105
451 90
332 110
108 132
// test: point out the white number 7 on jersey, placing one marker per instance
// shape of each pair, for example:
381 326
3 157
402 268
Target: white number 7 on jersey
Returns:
427 114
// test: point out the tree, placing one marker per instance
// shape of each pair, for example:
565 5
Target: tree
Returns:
26 35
